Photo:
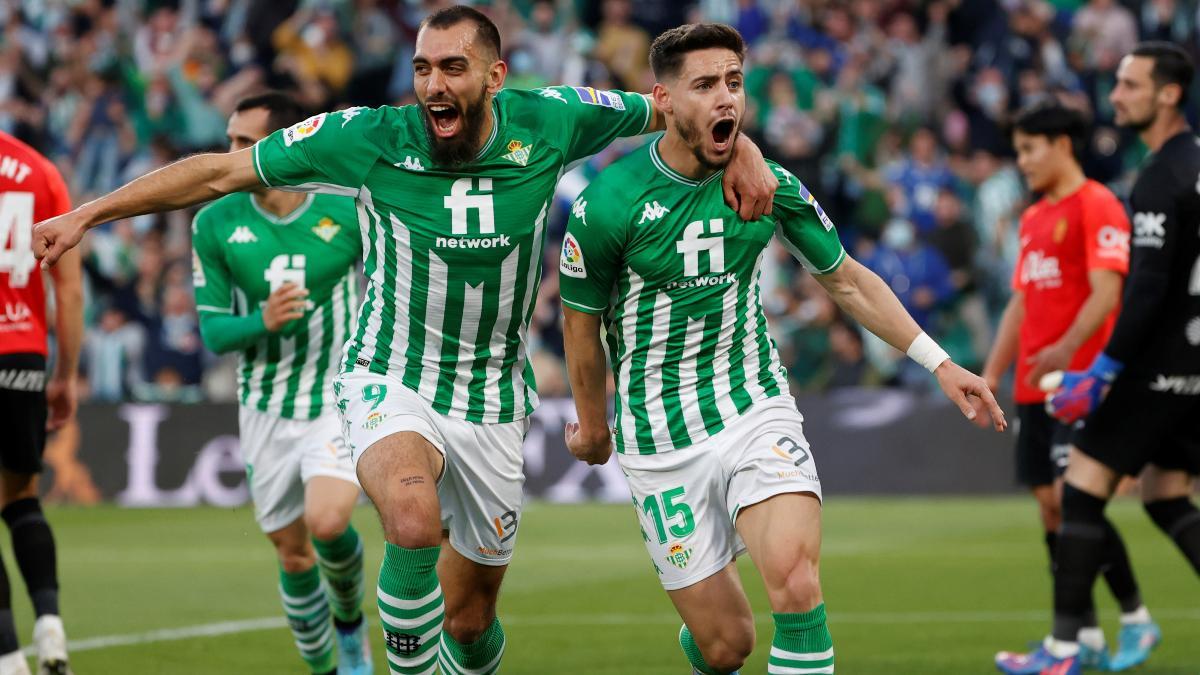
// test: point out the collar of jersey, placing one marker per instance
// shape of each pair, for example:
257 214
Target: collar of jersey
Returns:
283 220
672 173
495 129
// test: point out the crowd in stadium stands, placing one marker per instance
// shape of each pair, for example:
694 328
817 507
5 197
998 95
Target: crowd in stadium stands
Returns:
893 112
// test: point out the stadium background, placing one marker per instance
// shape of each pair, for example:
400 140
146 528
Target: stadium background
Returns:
892 111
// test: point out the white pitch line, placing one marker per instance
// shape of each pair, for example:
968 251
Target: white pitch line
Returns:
272 622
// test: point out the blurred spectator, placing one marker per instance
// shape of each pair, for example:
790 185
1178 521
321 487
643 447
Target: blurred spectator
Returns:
1102 32
112 352
623 46
312 52
916 180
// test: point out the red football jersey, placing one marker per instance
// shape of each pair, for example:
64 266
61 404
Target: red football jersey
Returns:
31 190
1060 243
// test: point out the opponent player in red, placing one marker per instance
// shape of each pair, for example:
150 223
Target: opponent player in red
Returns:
1066 293
32 190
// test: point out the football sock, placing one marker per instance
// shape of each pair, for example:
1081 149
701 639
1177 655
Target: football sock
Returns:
802 643
1080 552
341 563
1118 571
411 608
307 613
33 547
481 657
8 629
1090 619
692 651
1180 519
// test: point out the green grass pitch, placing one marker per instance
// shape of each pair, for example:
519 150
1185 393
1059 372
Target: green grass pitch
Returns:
913 587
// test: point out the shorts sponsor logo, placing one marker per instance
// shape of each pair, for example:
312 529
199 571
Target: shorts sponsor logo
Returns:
490 552
1187 385
506 525
604 99
571 261
22 380
679 556
1148 230
374 420
303 130
787 448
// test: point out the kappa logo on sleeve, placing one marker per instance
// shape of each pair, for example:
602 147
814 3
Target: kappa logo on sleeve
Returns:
600 97
302 130
571 262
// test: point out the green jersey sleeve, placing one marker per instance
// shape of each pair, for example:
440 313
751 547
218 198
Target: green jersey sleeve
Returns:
802 226
593 118
330 152
211 277
592 253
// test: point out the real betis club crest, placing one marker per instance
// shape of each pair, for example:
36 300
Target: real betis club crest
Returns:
518 152
326 229
679 556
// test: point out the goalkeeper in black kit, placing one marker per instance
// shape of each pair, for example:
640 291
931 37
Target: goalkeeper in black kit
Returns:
1140 399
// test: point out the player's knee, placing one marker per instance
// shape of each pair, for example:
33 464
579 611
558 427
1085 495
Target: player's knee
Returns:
326 526
295 559
800 590
467 625
407 531
730 649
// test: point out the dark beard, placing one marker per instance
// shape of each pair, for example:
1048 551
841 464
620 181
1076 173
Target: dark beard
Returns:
457 151
694 138
1138 126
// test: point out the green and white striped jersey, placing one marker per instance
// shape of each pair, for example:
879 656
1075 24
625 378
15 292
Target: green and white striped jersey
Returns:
241 253
675 274
452 256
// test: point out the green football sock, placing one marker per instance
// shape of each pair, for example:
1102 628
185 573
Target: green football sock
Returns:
802 644
307 613
481 657
341 563
411 608
692 652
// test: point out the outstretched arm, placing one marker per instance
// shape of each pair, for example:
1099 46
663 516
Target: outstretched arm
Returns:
589 439
866 298
193 180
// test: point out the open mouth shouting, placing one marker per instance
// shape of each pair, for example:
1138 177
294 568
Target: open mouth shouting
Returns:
722 134
446 118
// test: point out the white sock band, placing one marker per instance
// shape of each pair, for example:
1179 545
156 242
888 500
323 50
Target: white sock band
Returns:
926 352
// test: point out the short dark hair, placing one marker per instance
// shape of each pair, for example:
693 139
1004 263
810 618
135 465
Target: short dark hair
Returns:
1172 64
670 48
1052 119
282 108
485 30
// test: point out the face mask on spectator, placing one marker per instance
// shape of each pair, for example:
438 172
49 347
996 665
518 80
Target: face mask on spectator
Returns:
898 235
990 96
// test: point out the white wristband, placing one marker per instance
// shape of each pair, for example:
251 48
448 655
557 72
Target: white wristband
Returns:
926 352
